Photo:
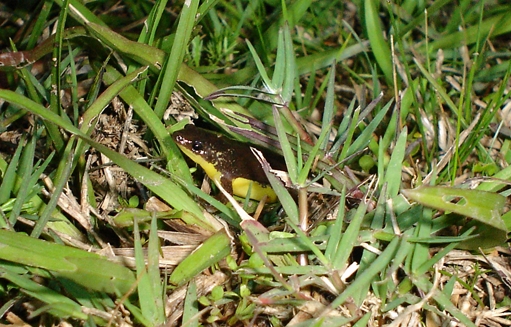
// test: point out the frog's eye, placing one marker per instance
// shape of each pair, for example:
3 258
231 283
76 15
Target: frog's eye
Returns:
197 146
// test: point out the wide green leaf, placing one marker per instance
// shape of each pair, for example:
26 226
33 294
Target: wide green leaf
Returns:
480 205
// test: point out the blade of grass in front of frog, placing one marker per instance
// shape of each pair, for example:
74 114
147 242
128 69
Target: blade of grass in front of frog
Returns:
223 92
241 212
285 198
215 248
270 139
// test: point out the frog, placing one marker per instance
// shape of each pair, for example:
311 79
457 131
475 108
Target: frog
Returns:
229 162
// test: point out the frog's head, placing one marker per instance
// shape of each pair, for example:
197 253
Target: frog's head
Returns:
206 148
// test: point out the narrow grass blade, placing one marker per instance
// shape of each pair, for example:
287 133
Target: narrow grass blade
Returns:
336 231
287 150
61 179
395 166
290 66
9 176
190 309
25 171
261 69
149 285
375 268
367 135
177 53
348 240
379 45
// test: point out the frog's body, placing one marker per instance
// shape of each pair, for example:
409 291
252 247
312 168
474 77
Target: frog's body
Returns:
229 162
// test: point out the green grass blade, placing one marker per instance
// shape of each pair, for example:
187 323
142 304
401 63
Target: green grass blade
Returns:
9 176
395 166
261 69
367 135
332 248
191 310
149 287
61 179
287 150
177 53
379 45
25 170
349 238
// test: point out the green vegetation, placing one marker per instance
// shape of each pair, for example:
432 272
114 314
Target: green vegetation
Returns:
393 119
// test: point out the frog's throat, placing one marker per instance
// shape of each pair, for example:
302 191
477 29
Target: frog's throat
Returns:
208 167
